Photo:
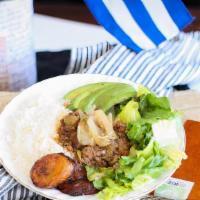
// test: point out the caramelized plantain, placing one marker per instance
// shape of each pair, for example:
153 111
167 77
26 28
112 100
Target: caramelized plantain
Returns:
51 170
77 188
78 173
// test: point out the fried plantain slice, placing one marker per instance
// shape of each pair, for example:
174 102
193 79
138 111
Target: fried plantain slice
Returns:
79 172
77 188
51 170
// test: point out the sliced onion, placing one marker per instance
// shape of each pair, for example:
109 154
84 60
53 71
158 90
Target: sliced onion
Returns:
83 134
96 129
101 140
102 121
110 118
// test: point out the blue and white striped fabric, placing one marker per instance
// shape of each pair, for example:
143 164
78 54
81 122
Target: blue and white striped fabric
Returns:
141 24
174 62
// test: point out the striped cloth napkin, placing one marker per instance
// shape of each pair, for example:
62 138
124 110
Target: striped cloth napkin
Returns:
174 62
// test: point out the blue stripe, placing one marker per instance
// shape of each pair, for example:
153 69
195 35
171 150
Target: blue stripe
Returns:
75 65
108 66
120 63
91 54
125 67
191 62
197 70
189 75
87 55
102 49
173 80
178 12
163 62
97 52
166 72
103 16
174 51
105 61
80 61
116 63
144 65
129 67
149 69
172 74
111 61
144 20
167 67
195 56
153 73
141 65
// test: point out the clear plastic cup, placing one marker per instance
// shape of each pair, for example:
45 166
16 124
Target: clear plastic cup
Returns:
17 56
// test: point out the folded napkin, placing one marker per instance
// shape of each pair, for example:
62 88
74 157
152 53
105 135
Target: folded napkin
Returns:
174 62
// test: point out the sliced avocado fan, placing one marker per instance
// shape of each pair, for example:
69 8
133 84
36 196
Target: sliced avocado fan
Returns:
85 88
101 95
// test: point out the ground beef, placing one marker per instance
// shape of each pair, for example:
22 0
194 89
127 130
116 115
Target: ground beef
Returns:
93 155
120 128
109 155
67 132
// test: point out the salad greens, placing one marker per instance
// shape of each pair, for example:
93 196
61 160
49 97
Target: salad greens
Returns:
133 171
141 90
140 133
147 160
155 108
129 113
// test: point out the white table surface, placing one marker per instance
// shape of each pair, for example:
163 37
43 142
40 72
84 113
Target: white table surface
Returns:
53 33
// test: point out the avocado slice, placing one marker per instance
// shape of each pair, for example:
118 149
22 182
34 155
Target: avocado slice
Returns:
87 103
76 101
102 98
114 96
85 88
74 104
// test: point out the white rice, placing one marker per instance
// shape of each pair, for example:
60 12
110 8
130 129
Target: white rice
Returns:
29 131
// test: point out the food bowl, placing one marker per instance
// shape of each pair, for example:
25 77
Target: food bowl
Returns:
27 126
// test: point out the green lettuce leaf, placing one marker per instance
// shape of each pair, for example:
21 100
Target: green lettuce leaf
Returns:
97 173
112 190
154 108
141 90
140 133
127 160
147 151
150 102
99 184
174 155
129 113
140 180
154 172
158 114
132 172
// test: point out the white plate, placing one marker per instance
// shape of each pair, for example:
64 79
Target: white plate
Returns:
21 142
